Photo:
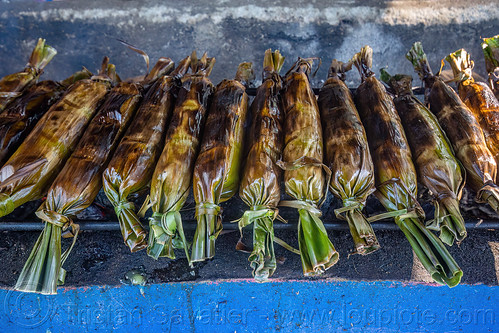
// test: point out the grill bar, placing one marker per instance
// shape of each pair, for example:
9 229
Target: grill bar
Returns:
114 226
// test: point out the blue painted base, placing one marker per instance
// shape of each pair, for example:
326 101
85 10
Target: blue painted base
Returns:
246 306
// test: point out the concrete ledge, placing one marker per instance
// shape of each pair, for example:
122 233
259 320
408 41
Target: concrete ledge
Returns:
237 31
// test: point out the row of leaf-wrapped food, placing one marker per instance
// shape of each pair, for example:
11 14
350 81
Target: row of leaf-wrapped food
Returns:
174 129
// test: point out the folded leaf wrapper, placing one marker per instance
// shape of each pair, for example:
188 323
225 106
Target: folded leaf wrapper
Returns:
131 167
347 156
261 176
304 178
75 188
433 157
28 173
395 175
218 166
461 127
171 180
21 116
479 98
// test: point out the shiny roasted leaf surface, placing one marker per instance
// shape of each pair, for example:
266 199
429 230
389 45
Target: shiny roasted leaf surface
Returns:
20 117
30 170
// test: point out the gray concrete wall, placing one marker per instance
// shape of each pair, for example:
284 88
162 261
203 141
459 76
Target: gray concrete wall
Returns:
234 31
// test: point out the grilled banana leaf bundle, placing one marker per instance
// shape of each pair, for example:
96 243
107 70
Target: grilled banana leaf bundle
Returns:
261 176
395 175
11 86
132 165
218 166
433 157
29 172
479 98
21 116
462 129
347 156
490 47
75 188
171 180
304 178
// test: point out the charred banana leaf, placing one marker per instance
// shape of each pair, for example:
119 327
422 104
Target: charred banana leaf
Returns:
395 175
462 129
75 188
218 166
21 116
12 85
171 180
304 178
490 47
261 176
347 156
433 157
28 173
479 98
132 165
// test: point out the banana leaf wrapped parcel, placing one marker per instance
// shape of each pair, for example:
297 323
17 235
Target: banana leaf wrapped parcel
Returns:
395 175
462 129
490 47
436 166
171 180
29 172
347 156
12 85
261 177
304 178
479 98
218 165
75 188
21 116
133 162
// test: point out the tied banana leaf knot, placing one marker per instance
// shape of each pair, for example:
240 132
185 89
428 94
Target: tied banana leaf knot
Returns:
123 205
407 214
360 228
62 221
208 208
209 227
302 205
256 212
262 257
316 250
348 205
131 228
65 223
167 228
